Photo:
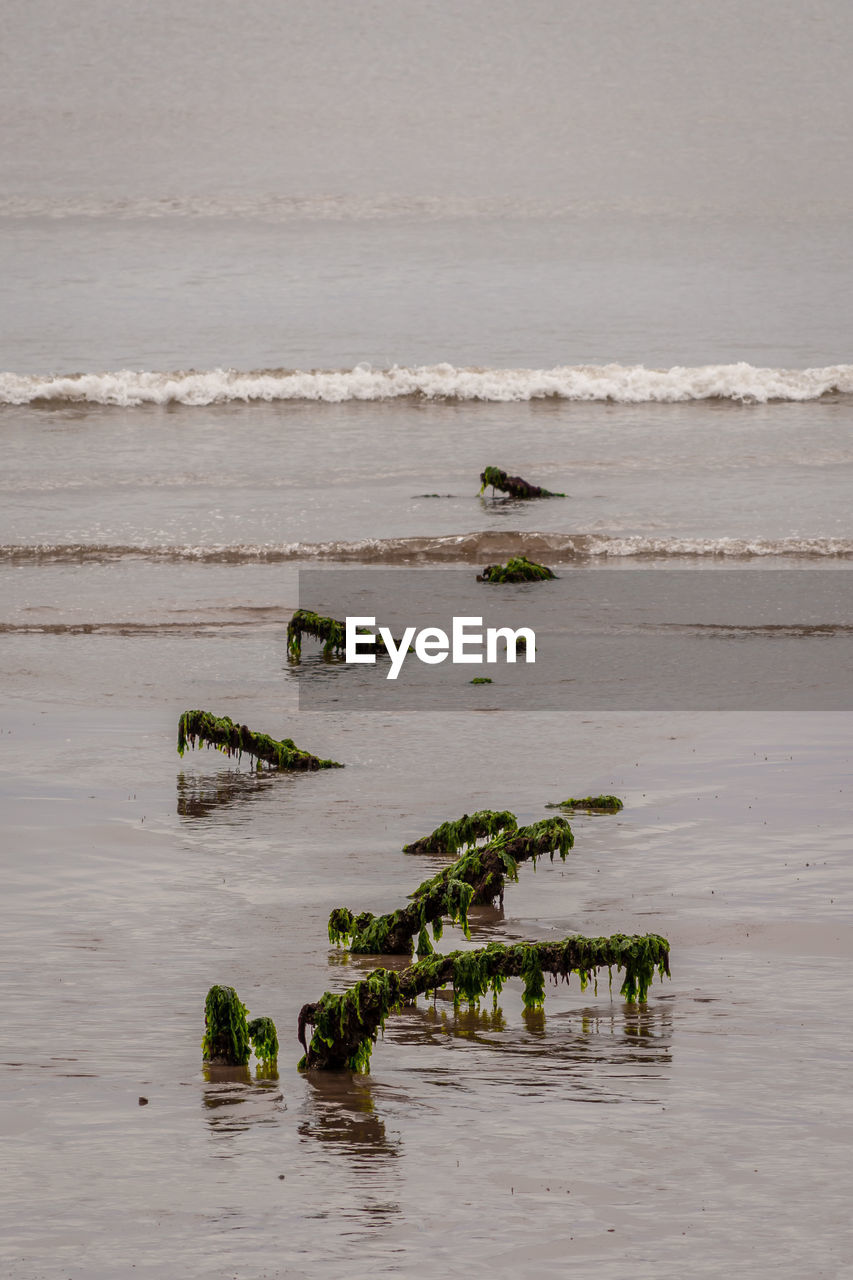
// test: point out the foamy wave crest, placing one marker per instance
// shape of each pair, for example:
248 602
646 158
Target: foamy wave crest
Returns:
460 548
625 384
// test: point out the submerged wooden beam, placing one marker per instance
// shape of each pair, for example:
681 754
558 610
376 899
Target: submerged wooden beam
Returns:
597 804
196 727
331 633
345 1026
478 877
464 832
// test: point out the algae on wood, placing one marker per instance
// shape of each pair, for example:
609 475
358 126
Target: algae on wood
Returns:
478 877
513 485
345 1026
517 569
195 727
450 837
329 631
264 1038
598 804
226 1031
228 1035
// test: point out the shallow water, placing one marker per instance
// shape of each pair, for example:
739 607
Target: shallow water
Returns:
677 1134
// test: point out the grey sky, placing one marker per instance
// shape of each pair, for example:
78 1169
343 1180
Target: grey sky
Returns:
739 104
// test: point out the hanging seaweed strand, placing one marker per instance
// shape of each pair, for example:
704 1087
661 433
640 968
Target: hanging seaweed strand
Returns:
196 727
345 1026
478 877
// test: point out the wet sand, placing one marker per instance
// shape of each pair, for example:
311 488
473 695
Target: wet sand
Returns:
707 1130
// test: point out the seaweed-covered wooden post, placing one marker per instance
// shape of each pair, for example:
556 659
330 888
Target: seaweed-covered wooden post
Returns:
478 877
345 1026
228 1035
195 727
513 485
264 1038
516 569
329 631
226 1030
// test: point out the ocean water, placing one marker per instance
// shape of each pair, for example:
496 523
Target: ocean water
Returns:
278 285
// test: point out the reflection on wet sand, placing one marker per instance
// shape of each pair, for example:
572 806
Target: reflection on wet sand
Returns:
362 966
340 1117
341 1112
200 795
596 1051
235 1098
436 1022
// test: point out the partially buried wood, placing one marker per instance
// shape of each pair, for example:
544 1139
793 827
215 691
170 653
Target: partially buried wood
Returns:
264 1038
331 633
196 727
464 832
494 478
477 878
228 1035
518 569
345 1026
596 804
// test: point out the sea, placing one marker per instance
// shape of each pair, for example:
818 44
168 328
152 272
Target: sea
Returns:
277 286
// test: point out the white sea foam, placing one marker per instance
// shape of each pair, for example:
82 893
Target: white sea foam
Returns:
458 548
626 384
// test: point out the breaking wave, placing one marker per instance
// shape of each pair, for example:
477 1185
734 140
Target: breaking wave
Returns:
625 384
462 548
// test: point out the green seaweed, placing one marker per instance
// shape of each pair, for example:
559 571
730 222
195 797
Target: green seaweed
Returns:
517 569
345 1027
226 1032
264 1038
478 876
195 727
481 680
329 631
450 837
513 485
599 804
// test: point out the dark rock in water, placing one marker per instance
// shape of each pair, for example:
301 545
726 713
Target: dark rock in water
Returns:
518 569
513 485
